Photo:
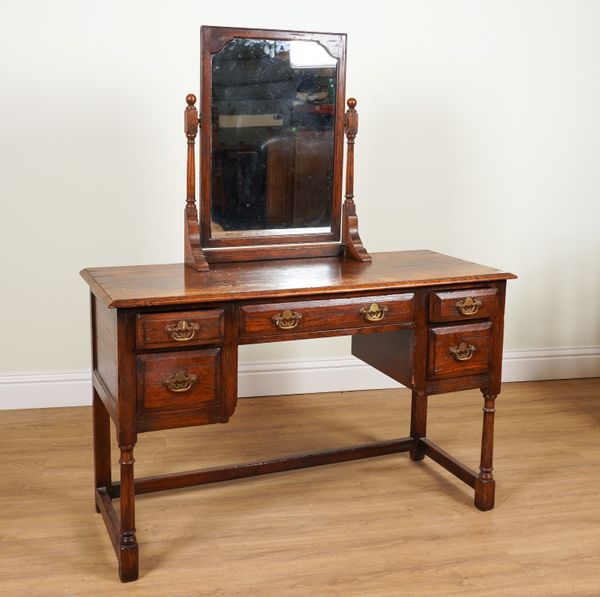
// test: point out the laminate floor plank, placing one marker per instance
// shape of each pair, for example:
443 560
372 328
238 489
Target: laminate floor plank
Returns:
376 527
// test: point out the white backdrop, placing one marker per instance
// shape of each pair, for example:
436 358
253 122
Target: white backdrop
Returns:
479 137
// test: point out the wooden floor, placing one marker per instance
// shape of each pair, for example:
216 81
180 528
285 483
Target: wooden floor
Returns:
384 526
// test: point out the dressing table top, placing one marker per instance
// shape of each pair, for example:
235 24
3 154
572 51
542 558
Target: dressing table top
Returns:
176 284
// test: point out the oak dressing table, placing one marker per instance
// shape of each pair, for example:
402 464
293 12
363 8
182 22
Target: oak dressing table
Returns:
278 258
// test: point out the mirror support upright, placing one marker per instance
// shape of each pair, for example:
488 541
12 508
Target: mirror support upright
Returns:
194 257
350 237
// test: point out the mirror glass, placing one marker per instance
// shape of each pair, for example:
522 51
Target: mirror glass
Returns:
272 137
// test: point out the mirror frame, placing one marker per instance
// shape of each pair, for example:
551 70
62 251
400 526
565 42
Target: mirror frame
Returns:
248 246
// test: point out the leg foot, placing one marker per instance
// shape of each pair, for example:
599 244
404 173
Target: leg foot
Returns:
484 494
128 563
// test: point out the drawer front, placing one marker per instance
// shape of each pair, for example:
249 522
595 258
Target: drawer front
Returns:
186 328
459 350
280 319
460 305
178 388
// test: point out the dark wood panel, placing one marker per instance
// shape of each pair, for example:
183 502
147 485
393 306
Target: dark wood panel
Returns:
392 353
185 328
156 368
109 401
446 355
277 252
229 363
348 331
260 320
126 399
462 305
105 344
176 284
456 384
165 400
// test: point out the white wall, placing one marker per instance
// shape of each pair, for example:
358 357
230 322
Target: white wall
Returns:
479 137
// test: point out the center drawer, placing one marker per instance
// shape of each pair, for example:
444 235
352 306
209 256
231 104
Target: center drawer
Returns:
290 318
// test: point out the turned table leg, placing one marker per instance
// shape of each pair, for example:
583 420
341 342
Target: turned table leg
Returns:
101 435
128 547
418 423
485 486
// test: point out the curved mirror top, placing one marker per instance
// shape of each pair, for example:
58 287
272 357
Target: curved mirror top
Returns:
272 137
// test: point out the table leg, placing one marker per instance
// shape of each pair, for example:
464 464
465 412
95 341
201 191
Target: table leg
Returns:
128 547
418 423
101 435
485 486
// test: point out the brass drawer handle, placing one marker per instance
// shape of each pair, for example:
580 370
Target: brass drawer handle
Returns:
462 352
182 331
373 312
180 381
469 306
287 320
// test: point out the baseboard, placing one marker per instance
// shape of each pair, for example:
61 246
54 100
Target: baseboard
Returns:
44 389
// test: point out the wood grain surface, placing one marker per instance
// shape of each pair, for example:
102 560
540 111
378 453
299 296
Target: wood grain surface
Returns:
378 527
173 284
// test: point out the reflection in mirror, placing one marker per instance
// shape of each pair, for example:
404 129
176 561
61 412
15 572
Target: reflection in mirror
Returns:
272 137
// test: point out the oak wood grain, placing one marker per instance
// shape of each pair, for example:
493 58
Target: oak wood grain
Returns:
445 306
350 236
443 340
152 328
192 251
257 319
331 297
104 346
175 284
158 407
389 352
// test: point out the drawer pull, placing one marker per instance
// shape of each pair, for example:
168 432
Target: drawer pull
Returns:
180 381
287 320
373 312
182 331
469 306
462 352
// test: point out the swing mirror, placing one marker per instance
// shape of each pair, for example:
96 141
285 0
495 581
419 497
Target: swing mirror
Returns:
271 153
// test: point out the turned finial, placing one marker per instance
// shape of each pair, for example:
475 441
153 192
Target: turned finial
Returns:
191 100
351 122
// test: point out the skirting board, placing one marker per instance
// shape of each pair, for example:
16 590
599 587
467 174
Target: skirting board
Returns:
73 388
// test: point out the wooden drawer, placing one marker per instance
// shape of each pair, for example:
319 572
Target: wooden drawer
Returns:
459 305
178 388
185 328
279 319
459 350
